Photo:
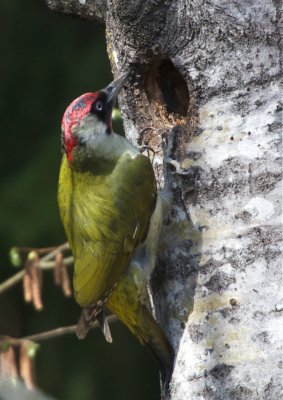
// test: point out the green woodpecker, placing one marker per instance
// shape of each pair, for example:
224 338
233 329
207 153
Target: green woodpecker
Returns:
112 216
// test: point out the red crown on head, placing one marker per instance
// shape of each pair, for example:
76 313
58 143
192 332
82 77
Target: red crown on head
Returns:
74 113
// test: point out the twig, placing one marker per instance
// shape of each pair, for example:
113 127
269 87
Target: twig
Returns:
42 250
38 337
44 263
65 330
11 281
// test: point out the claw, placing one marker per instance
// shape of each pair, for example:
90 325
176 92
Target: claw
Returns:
143 148
87 318
178 169
142 132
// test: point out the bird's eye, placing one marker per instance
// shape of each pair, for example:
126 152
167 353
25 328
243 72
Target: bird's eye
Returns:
99 106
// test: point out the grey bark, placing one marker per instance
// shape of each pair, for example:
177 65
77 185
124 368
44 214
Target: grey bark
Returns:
207 75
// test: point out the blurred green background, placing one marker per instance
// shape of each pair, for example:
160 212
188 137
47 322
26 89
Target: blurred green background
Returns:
47 60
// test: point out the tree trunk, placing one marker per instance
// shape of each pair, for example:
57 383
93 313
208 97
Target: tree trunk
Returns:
206 76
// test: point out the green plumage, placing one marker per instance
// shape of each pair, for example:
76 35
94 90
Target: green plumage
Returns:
126 304
112 217
105 208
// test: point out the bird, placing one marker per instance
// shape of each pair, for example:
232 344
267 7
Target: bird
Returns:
112 214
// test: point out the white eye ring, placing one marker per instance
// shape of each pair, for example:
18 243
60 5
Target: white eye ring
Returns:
99 106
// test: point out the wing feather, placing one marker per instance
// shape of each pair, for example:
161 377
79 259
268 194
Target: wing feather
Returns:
106 216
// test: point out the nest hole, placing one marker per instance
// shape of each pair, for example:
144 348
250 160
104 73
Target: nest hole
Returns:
167 90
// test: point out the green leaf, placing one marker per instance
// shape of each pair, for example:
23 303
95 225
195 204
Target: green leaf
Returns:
116 115
32 349
15 258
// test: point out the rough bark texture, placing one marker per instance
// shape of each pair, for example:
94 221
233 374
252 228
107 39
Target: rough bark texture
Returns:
207 75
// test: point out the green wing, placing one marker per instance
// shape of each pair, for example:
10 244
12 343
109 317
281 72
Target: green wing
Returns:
105 215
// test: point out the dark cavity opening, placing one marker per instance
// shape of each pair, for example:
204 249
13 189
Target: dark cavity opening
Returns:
168 89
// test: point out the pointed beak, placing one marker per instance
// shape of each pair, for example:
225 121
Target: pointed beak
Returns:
115 87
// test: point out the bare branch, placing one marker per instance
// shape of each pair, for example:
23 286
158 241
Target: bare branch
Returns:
53 333
65 330
91 10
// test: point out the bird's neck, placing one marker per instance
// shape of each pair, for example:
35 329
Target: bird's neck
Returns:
112 147
106 151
